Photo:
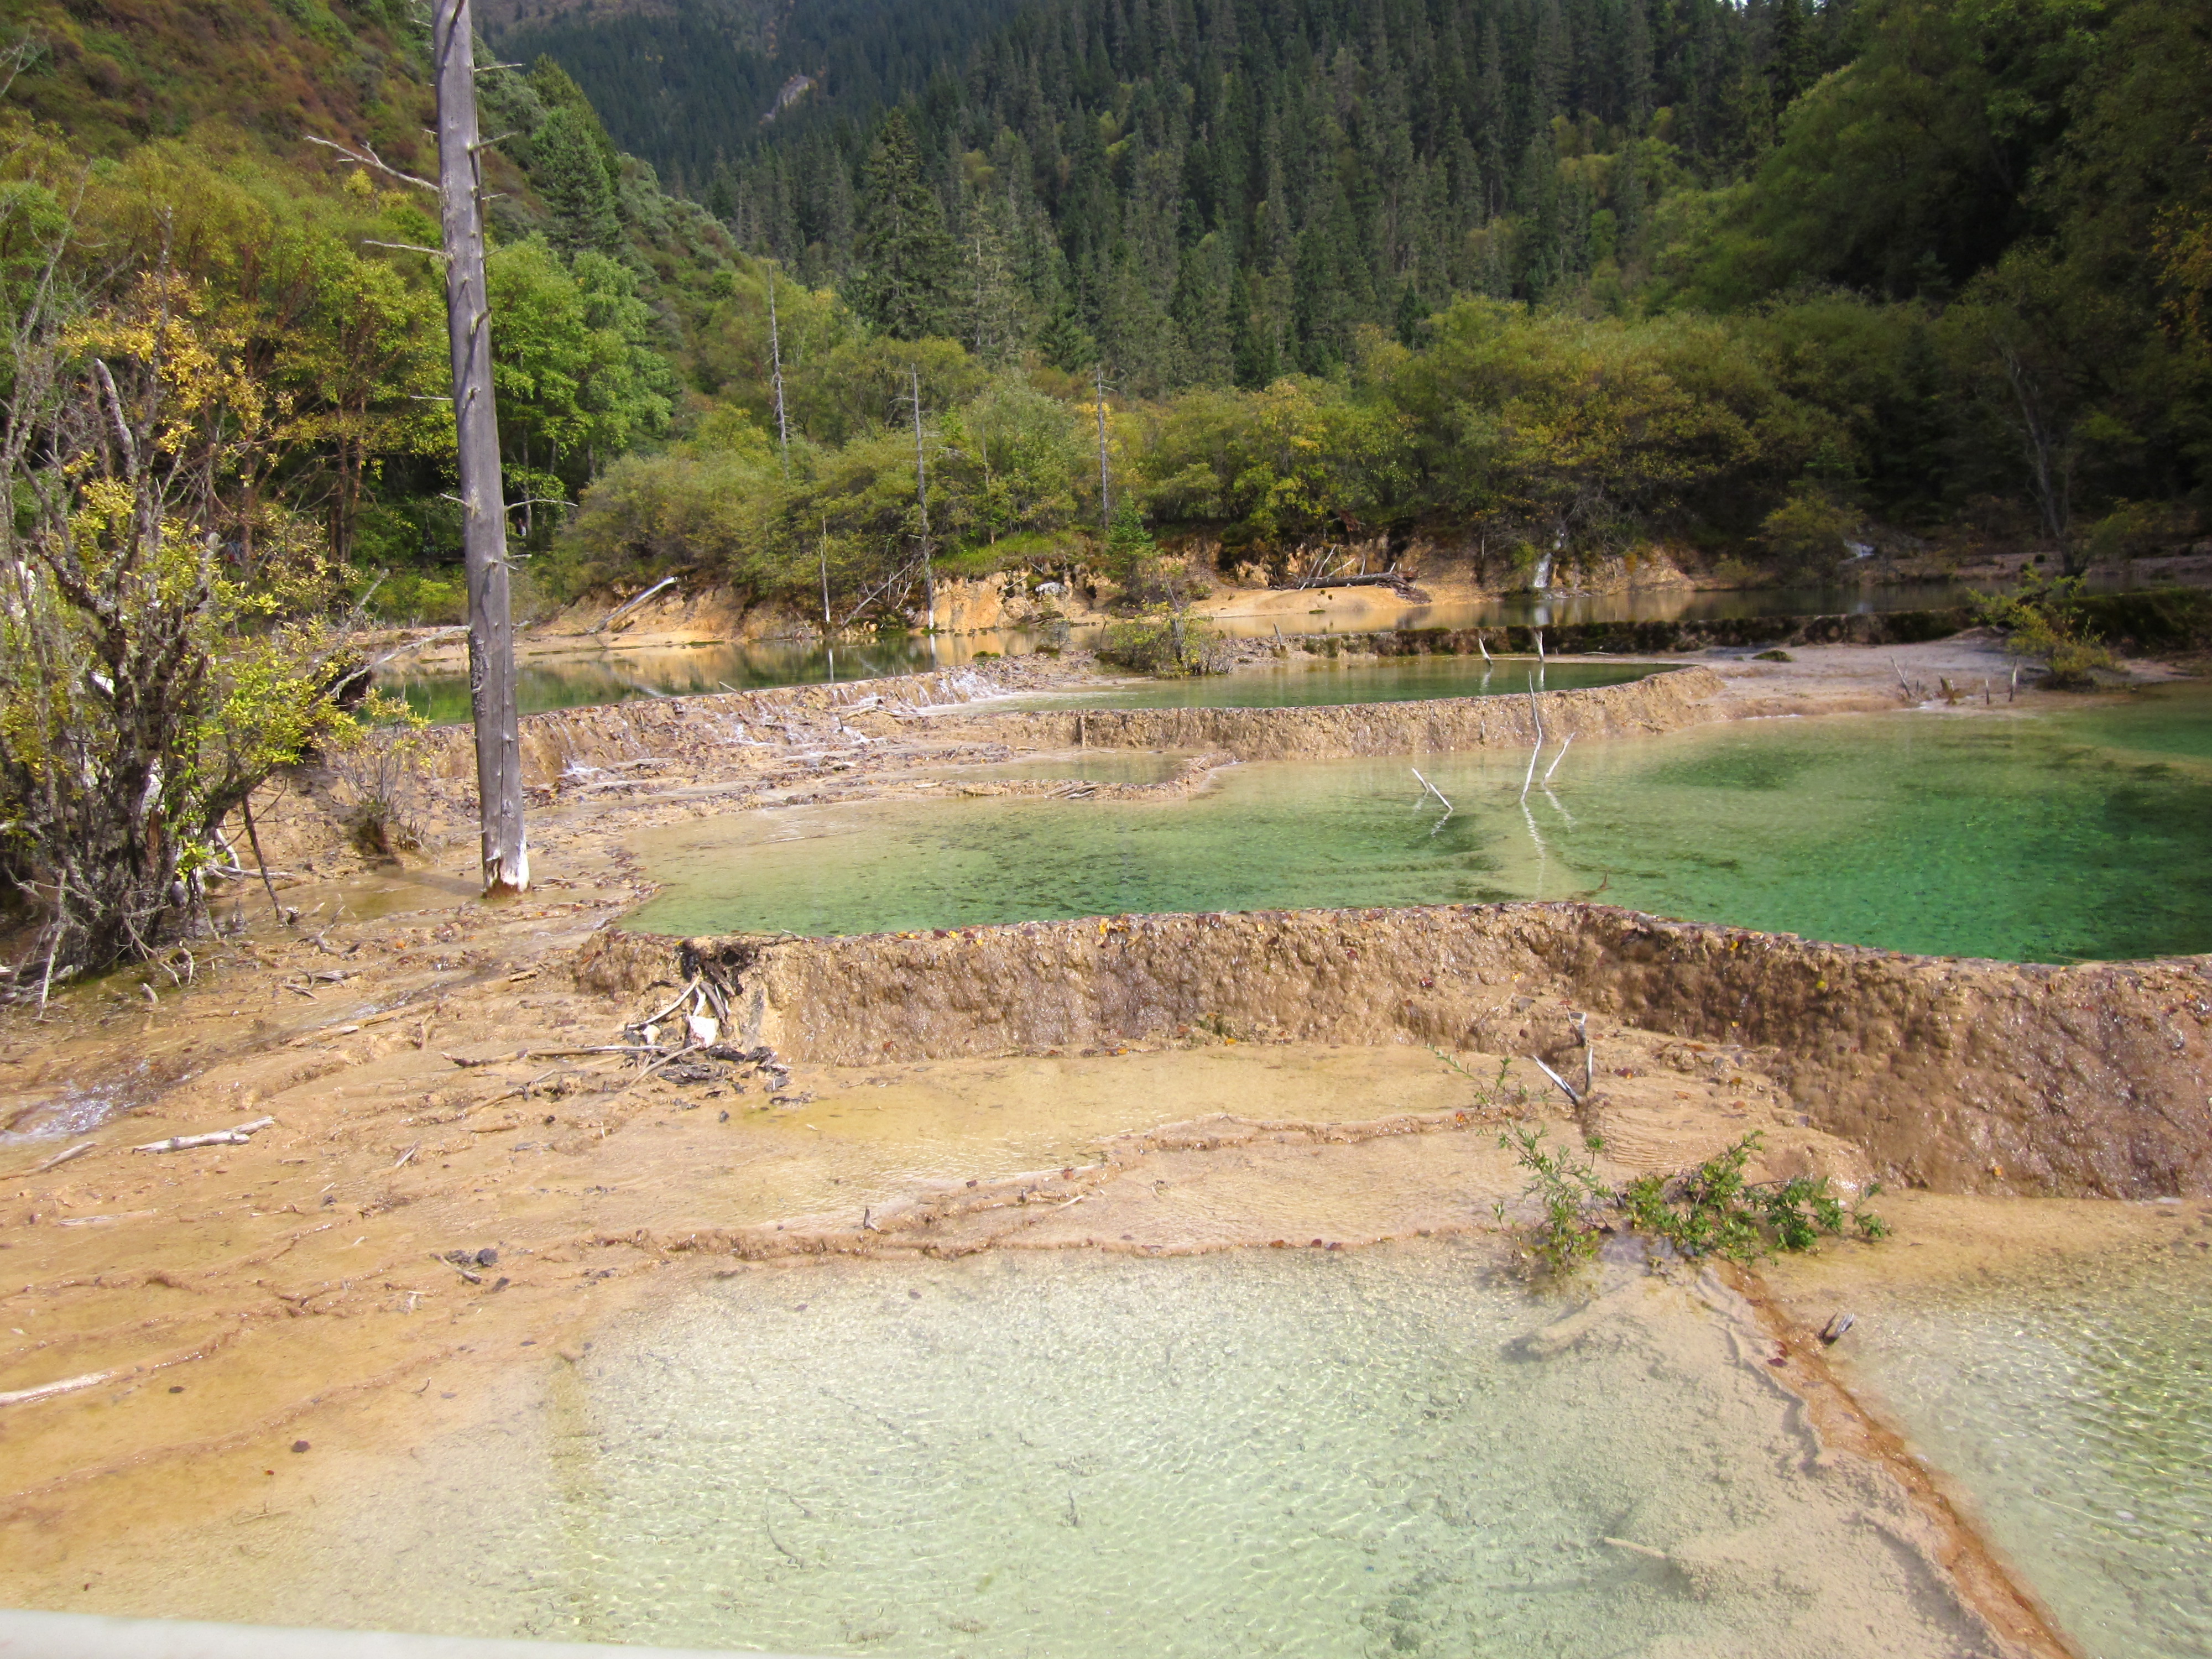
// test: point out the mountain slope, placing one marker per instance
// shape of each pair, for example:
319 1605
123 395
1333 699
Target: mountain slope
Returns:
115 75
685 85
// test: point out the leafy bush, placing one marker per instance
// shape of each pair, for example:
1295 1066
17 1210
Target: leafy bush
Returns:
373 763
2045 618
1805 533
420 597
2134 529
1711 1210
145 688
1168 645
1570 1194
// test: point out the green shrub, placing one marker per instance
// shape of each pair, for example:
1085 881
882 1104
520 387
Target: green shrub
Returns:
1711 1210
1168 645
2134 529
420 597
1806 534
2047 620
1569 1194
375 763
2162 618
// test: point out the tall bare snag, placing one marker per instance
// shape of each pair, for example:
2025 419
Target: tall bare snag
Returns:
484 503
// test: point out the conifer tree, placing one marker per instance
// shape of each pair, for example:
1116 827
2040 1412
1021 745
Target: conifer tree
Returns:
906 267
1793 63
994 311
570 174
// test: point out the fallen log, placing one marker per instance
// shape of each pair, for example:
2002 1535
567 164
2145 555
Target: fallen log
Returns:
1390 578
623 609
235 1137
53 1163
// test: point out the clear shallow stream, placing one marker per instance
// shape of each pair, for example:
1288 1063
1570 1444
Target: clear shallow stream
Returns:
2071 1407
2043 838
1324 1455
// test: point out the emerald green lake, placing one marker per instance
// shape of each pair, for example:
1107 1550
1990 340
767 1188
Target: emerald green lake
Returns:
2040 838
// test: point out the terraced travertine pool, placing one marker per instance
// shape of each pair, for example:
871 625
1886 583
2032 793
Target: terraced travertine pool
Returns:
618 673
2051 837
1302 1453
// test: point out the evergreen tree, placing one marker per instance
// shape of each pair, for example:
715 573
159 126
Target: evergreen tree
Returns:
570 173
1793 59
906 268
996 323
1255 345
1202 312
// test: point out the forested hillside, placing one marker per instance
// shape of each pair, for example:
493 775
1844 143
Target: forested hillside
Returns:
1555 274
1523 277
1518 289
684 85
190 140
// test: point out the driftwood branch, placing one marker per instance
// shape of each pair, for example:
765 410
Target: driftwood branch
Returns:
399 651
1536 718
53 1163
47 1391
1566 1088
624 609
237 1136
1390 578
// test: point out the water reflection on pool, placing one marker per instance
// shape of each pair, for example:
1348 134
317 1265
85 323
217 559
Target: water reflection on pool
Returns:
1305 683
2033 838
616 675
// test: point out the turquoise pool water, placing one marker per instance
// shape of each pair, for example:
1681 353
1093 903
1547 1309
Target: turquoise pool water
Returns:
2047 838
2070 1406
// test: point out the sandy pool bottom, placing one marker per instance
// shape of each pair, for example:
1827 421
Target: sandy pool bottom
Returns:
2053 1374
1394 1450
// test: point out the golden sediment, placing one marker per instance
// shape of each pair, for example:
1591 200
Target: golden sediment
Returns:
1958 1075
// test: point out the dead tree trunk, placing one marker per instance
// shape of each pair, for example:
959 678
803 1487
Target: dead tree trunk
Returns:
922 502
1105 481
775 356
483 501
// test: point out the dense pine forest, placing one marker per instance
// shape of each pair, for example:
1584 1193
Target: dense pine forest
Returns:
1765 280
1524 279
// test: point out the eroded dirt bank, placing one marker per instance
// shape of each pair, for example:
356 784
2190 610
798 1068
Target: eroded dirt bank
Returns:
1661 702
1959 1075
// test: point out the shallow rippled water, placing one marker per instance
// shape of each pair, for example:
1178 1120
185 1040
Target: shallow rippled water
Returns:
1302 1453
2071 1407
